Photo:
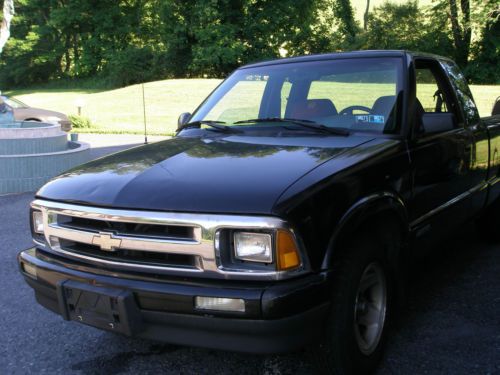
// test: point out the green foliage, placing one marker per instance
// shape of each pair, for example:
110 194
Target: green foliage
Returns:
213 37
80 122
114 43
406 26
131 65
483 68
347 27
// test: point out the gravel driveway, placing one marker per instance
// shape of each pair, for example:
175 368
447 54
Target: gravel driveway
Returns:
451 324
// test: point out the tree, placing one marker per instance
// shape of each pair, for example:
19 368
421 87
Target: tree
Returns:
213 37
347 27
485 52
80 39
461 30
121 42
406 26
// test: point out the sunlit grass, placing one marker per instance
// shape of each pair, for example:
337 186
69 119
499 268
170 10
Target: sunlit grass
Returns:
121 110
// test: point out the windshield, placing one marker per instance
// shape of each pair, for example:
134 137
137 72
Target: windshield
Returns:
355 94
14 103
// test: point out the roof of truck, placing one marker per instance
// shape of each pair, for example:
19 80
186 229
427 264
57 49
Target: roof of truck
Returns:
343 55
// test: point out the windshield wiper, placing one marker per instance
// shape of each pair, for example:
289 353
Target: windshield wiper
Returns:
212 123
304 123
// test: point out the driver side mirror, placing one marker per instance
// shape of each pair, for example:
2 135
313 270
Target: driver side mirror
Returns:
183 120
438 122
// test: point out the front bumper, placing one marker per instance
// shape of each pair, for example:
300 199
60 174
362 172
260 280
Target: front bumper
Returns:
280 316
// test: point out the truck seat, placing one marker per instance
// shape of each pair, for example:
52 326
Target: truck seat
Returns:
314 108
383 105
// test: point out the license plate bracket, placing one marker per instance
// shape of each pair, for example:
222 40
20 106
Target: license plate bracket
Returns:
106 308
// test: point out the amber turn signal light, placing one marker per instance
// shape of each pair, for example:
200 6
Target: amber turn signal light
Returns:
287 252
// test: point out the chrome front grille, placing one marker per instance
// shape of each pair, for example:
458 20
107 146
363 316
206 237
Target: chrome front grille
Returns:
149 241
140 258
138 230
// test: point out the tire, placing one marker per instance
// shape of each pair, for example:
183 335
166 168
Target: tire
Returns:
349 347
488 223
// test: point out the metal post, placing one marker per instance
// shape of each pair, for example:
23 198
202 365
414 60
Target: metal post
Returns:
144 113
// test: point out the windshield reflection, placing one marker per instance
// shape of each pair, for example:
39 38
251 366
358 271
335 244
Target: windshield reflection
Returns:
351 94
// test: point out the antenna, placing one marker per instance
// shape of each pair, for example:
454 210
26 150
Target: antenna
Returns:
144 113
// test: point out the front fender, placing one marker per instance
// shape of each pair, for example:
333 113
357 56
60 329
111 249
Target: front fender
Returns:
366 207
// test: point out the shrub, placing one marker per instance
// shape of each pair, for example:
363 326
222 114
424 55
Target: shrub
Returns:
80 122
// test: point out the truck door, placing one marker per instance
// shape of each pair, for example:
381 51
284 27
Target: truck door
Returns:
442 154
486 142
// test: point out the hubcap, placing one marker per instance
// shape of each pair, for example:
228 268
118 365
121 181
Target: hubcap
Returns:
370 308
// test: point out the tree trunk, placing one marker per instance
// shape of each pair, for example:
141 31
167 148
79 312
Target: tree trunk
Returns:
8 14
76 54
67 55
467 29
342 10
365 16
461 33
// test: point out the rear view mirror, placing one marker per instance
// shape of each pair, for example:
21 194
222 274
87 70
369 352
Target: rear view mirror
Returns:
438 122
183 120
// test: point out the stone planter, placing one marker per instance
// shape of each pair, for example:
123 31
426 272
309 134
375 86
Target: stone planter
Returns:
33 153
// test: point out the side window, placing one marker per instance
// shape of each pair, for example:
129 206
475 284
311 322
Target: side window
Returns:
429 93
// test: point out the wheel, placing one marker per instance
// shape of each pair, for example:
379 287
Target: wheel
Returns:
370 308
361 307
350 110
488 223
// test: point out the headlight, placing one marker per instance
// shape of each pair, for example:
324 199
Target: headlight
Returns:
37 222
255 247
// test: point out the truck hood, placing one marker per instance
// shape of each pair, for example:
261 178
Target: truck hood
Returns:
221 173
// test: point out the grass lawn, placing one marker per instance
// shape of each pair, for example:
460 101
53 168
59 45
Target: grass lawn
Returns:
121 111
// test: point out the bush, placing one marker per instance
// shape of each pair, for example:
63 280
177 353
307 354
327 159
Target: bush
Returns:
80 122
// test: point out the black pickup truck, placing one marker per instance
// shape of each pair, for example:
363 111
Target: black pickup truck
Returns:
284 214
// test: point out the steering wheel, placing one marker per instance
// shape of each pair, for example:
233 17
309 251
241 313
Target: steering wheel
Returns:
349 110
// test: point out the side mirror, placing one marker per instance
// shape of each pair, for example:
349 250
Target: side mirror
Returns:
183 120
438 122
496 107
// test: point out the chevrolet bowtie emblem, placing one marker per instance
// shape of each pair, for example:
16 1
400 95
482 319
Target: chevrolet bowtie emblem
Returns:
106 241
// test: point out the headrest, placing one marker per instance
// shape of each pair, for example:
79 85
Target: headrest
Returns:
315 108
384 105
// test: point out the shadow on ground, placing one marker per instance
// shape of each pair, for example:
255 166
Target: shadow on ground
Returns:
450 325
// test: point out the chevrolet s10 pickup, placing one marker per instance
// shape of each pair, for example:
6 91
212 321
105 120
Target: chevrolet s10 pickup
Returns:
284 214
